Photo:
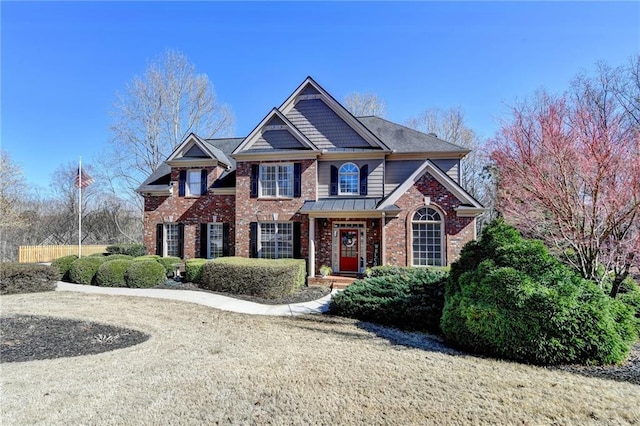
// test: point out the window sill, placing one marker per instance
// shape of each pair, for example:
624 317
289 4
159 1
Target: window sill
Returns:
275 198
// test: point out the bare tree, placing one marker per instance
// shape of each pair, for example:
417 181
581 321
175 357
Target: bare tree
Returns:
154 114
364 104
12 191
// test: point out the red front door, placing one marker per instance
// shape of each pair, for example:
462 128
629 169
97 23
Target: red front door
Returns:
349 250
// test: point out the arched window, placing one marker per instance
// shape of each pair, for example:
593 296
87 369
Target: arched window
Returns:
349 176
426 230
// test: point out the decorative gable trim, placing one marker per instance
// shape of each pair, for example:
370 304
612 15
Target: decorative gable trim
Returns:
176 157
336 107
262 127
474 207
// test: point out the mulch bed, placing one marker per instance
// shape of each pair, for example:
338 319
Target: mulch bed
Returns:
29 337
627 372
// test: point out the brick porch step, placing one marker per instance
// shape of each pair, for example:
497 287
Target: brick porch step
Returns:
336 282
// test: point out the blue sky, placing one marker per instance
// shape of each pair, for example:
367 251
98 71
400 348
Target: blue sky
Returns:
63 62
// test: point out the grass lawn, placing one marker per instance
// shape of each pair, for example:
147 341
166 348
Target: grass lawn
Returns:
204 366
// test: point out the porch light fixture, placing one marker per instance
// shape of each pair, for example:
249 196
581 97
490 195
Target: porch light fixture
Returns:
374 223
325 223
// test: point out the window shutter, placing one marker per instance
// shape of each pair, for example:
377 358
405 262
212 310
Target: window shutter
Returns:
253 239
182 183
297 244
225 239
204 238
203 181
159 238
334 181
254 180
297 179
181 240
364 175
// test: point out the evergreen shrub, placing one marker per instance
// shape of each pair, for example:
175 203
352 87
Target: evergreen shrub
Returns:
133 250
193 270
83 270
112 272
27 277
406 298
268 278
145 274
508 297
63 264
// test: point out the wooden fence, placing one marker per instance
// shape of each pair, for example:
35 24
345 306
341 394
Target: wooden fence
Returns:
31 254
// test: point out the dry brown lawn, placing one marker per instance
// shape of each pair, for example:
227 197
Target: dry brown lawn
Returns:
204 366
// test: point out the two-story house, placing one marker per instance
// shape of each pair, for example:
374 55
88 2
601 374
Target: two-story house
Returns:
312 181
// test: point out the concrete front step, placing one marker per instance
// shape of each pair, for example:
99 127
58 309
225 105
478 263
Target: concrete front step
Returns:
335 282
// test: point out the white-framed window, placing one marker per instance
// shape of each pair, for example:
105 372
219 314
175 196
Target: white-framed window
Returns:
216 239
275 240
171 240
348 179
194 183
276 180
426 236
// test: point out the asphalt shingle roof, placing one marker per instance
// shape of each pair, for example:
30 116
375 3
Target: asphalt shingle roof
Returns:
404 139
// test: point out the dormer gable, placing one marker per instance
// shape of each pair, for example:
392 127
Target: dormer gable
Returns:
326 123
196 152
275 135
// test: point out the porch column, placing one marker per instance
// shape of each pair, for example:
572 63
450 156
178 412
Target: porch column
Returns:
312 247
383 248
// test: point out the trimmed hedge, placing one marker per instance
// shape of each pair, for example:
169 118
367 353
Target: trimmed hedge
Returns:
112 273
166 262
193 270
27 277
508 297
83 270
145 274
63 265
266 278
133 250
119 257
406 298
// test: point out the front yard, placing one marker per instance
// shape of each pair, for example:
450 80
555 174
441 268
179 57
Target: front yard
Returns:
204 366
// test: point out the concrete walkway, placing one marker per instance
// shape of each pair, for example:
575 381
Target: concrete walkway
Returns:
208 299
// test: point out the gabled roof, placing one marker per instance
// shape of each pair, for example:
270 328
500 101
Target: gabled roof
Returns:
310 89
159 181
404 139
210 150
274 114
470 206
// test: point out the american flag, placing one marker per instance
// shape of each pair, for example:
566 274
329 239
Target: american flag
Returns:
83 179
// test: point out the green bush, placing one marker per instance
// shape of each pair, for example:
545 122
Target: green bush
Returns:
111 273
256 277
63 264
83 270
27 277
119 257
168 263
147 257
630 295
145 274
133 250
97 255
193 270
407 298
508 297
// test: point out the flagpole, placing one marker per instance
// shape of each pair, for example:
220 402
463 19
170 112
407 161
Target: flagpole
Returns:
80 208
